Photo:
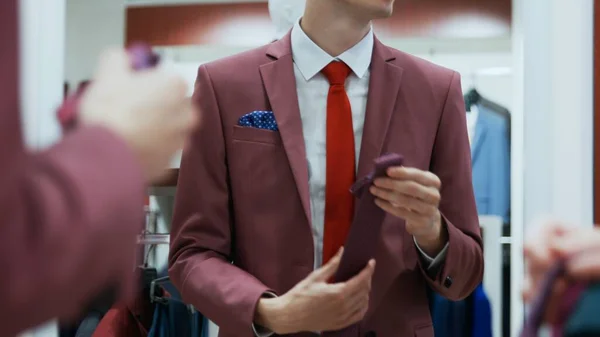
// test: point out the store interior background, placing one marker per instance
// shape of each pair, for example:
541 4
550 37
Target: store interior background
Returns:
534 57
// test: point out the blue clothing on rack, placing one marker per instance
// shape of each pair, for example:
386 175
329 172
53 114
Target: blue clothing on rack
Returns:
173 318
490 152
449 317
482 314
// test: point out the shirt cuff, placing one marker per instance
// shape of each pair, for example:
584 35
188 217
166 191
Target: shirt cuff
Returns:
430 262
260 331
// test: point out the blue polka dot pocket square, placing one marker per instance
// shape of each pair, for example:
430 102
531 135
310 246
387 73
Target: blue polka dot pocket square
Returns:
259 119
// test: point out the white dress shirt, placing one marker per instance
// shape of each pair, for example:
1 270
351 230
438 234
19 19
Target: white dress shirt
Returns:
313 87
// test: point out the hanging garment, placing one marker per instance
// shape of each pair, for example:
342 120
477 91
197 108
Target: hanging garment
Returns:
471 317
481 313
449 317
490 152
132 320
173 318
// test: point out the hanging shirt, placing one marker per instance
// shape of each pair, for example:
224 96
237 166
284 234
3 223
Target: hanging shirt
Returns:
472 122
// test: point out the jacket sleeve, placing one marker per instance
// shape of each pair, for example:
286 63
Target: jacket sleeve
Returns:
69 219
462 270
200 263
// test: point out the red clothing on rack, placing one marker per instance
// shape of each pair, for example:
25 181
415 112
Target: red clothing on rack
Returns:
133 320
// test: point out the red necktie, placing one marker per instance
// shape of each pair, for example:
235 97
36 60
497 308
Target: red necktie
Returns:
340 172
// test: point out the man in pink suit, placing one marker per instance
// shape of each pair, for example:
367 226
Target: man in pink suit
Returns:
70 213
260 212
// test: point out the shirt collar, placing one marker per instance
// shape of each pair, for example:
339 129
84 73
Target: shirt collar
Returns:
311 59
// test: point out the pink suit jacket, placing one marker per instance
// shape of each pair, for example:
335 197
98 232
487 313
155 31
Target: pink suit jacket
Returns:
68 215
242 215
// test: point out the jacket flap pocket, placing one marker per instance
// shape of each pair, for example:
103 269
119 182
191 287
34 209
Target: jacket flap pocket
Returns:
256 135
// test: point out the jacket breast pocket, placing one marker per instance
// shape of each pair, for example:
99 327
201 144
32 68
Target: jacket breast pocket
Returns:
257 165
255 135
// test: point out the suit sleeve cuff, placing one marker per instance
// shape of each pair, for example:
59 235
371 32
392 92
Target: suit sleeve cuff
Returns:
260 331
432 263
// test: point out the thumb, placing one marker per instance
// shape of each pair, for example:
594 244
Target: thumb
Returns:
327 271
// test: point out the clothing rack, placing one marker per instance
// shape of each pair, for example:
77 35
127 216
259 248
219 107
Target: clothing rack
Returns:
153 239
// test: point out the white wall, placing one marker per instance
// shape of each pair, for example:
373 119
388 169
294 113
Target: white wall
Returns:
92 25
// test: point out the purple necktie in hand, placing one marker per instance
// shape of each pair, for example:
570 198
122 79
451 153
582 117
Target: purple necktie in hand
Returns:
141 56
363 238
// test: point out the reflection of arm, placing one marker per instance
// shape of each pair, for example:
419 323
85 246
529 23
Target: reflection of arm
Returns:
69 219
200 261
462 270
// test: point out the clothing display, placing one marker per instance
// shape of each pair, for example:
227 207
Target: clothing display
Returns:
471 317
490 152
159 315
488 127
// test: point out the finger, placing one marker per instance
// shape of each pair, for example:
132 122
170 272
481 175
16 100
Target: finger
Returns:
576 241
410 188
113 61
327 271
410 173
400 212
527 291
585 266
538 256
400 200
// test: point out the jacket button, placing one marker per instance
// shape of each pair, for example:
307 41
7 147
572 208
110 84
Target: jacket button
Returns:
371 334
448 282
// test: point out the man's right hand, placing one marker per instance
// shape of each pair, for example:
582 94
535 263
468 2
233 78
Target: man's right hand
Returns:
149 109
316 305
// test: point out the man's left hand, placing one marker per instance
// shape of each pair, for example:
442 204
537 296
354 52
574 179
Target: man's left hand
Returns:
414 195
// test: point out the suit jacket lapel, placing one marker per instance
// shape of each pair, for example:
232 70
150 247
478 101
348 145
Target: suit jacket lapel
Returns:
383 90
280 84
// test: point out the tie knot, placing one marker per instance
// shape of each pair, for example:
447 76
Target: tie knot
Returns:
336 72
